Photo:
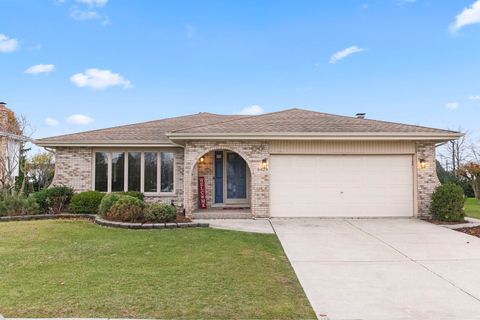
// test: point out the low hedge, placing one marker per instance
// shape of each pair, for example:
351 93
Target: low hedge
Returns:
41 199
135 194
126 209
16 204
107 202
160 212
447 203
54 199
86 202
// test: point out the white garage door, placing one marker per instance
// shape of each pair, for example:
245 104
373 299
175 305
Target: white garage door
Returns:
341 186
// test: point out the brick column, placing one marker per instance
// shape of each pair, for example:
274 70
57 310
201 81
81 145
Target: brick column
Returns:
427 179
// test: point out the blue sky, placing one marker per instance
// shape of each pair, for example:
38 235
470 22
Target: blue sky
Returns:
100 63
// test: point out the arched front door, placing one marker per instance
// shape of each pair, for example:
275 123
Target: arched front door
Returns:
231 178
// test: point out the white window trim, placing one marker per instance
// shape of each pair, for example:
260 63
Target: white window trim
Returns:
142 170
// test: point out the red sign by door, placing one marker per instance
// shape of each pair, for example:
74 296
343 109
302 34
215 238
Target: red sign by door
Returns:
202 197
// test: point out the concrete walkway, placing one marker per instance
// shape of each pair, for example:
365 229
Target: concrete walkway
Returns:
380 269
246 225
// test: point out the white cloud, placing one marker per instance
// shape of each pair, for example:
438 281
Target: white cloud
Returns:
81 15
452 105
474 98
7 44
51 122
252 110
96 3
79 119
40 68
97 79
470 15
340 55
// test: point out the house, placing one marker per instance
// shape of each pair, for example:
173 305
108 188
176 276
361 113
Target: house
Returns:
11 139
291 163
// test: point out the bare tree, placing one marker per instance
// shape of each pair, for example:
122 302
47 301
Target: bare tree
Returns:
475 152
14 133
455 153
40 169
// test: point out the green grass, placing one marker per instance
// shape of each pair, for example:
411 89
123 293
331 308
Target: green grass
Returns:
472 208
68 268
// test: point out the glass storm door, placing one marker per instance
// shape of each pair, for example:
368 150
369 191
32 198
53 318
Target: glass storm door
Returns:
218 176
236 178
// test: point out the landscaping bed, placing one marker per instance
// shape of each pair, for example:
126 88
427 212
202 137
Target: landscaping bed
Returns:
47 217
136 225
473 231
117 209
73 268
438 222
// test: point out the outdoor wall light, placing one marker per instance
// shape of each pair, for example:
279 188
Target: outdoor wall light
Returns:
202 159
423 163
265 164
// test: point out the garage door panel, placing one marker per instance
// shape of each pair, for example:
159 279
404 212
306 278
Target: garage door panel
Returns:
341 186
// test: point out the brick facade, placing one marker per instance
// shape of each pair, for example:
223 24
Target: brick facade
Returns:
74 168
427 179
253 152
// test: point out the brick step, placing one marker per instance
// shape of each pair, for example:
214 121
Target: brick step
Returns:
222 214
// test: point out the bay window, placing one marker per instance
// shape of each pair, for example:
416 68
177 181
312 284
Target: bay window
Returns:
134 171
118 169
148 171
101 171
167 171
150 174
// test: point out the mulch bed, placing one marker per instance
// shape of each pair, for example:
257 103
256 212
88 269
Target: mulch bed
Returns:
473 231
437 222
182 219
47 217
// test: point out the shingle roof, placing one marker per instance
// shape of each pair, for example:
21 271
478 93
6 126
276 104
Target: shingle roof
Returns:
305 121
286 122
151 131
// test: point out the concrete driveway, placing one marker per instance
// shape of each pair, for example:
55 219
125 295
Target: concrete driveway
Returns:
384 268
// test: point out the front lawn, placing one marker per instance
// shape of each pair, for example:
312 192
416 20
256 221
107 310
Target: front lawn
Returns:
68 268
472 208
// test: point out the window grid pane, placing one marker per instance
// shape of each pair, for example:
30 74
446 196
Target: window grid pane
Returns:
166 170
134 159
101 171
150 172
118 171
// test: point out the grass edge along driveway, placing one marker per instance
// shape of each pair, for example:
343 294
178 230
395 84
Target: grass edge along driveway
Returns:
63 268
472 208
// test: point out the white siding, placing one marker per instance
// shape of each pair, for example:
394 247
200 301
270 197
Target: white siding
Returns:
342 147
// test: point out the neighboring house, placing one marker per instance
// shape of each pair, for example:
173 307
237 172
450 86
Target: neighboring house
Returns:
11 139
291 163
